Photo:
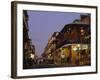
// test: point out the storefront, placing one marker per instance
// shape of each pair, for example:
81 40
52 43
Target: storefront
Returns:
73 54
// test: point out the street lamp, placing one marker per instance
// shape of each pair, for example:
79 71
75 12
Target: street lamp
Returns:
32 56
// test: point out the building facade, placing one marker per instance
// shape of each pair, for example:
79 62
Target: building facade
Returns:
73 43
50 48
28 48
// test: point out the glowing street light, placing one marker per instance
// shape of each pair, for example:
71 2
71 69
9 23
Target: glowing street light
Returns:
32 56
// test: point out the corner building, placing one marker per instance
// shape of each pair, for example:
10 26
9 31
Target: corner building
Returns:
74 43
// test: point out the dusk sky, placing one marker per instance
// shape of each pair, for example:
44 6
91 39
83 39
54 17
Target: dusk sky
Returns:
43 24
